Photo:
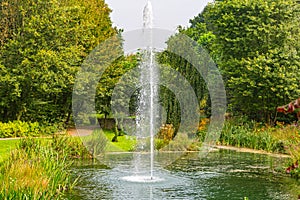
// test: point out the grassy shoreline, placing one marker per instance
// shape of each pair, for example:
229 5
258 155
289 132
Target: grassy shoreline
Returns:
38 167
280 139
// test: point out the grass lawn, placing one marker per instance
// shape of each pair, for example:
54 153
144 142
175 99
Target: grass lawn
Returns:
125 143
5 147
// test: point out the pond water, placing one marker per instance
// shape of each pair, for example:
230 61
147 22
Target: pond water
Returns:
222 174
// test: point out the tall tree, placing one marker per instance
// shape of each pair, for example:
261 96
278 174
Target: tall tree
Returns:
199 33
189 72
43 44
255 44
258 45
109 80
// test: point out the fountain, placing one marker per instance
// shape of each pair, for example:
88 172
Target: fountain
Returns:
146 79
152 93
147 106
217 175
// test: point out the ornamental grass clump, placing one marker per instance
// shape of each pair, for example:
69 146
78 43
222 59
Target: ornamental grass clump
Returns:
241 133
38 168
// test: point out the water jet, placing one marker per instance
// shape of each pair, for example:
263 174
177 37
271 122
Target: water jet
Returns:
147 107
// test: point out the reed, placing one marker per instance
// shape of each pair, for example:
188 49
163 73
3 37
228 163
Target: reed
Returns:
38 169
253 135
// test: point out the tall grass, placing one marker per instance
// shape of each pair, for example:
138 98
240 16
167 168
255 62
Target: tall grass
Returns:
38 169
293 148
73 147
96 143
280 139
250 134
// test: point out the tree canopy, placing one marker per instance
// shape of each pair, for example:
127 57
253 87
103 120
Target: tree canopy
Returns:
255 44
42 45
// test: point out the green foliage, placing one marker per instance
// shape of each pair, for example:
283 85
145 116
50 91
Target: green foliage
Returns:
168 99
252 135
5 148
39 170
200 31
256 47
26 129
108 81
42 45
257 43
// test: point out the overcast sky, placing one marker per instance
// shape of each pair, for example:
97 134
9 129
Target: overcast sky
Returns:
168 14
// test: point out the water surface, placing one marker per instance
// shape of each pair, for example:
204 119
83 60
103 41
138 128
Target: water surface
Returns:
222 174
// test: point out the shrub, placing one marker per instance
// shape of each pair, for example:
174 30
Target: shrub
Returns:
166 132
159 144
27 129
180 143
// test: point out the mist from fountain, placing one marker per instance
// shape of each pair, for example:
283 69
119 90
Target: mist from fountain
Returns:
147 113
148 24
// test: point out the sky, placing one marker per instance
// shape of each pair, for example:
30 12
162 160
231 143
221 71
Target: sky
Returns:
168 14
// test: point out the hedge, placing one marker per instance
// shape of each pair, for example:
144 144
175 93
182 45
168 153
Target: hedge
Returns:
25 129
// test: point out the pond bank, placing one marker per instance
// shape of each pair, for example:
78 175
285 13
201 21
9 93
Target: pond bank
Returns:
38 168
248 150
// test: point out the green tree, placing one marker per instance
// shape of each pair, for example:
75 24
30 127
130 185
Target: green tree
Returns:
257 43
203 37
108 81
43 44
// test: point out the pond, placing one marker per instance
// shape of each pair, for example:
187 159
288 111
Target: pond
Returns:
222 174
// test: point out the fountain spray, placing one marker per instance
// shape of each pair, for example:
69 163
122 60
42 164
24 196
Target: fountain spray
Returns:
151 71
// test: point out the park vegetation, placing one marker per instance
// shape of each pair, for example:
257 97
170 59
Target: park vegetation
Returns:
255 45
39 168
43 43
